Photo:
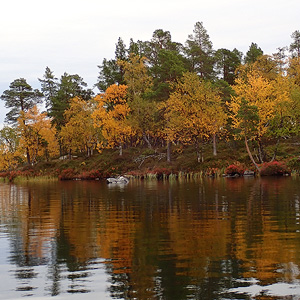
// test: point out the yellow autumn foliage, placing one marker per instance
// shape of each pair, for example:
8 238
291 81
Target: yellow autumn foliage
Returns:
37 135
136 75
79 132
8 159
193 111
115 94
270 97
110 116
143 111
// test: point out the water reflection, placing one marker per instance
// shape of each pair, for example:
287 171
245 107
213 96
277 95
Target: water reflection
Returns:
210 239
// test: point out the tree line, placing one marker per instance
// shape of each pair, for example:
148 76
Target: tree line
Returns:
158 93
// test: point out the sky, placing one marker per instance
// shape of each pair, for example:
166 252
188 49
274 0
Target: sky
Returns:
74 36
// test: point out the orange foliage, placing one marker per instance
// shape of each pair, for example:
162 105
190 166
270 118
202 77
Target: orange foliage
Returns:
38 136
111 117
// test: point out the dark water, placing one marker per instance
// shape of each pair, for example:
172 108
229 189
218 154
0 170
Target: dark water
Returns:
207 239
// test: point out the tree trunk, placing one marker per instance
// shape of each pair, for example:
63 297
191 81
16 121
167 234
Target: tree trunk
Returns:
214 144
120 150
168 151
147 141
261 152
276 149
28 156
250 155
47 154
199 151
27 149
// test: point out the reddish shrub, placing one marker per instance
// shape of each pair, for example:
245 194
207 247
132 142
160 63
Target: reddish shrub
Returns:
90 175
28 173
67 174
4 174
13 174
234 170
274 168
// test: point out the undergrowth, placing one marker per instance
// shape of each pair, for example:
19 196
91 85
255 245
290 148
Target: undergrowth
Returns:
144 163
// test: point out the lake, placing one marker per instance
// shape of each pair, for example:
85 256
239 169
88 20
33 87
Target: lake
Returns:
205 239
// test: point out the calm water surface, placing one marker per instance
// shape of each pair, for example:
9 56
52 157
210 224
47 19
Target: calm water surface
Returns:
206 239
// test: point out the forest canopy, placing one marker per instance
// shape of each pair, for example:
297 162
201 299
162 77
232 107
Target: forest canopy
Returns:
156 94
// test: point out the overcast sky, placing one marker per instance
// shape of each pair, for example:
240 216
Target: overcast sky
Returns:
74 36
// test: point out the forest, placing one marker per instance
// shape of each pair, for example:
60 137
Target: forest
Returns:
164 100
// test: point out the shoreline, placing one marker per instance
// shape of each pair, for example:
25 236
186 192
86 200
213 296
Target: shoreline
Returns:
147 176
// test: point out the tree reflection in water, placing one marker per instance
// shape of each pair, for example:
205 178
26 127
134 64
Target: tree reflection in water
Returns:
203 239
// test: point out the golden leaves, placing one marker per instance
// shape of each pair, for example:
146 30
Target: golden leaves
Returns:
38 136
111 117
136 75
79 132
115 94
269 96
193 111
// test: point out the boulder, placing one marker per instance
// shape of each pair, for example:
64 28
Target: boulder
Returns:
118 180
249 173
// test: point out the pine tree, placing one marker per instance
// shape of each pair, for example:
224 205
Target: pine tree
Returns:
20 97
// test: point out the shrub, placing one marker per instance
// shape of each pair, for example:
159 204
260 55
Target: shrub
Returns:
4 174
234 169
294 163
13 174
274 168
90 175
212 172
67 174
148 151
28 173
